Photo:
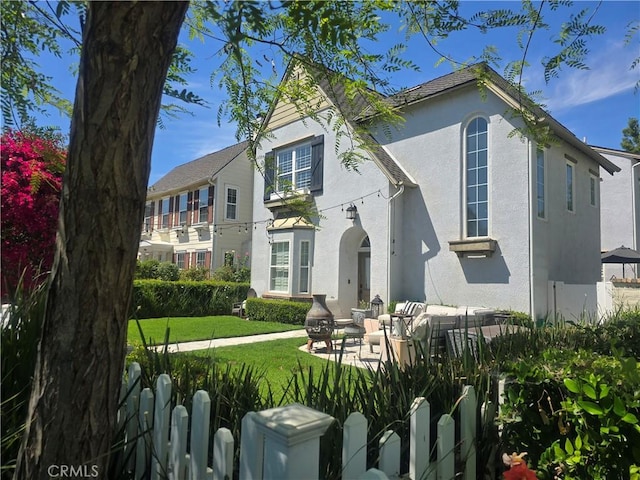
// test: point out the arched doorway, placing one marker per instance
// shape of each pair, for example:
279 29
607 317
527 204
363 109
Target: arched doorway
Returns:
364 271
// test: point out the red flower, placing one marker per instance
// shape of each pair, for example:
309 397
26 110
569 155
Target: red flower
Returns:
31 182
520 471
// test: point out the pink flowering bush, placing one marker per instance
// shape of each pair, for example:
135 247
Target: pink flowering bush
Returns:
32 169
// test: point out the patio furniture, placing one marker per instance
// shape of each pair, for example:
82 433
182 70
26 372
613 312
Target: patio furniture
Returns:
240 308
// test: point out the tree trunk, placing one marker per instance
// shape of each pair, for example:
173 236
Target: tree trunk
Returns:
127 48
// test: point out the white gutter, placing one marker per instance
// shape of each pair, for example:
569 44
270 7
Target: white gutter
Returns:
391 231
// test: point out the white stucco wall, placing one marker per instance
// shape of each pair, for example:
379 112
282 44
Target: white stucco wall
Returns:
410 239
566 244
430 147
334 270
620 220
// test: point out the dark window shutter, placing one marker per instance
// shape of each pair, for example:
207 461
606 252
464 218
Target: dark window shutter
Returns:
159 214
269 174
176 211
210 205
317 163
170 213
207 259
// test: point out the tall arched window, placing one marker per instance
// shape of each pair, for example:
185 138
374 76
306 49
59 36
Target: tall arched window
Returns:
477 193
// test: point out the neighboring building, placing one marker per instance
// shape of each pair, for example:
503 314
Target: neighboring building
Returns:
620 209
199 214
450 208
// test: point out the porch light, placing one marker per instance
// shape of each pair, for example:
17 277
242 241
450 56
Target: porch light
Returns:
352 211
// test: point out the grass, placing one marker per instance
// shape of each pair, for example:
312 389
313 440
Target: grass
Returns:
188 329
277 361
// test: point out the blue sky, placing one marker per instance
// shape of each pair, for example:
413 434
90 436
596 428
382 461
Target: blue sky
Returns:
594 104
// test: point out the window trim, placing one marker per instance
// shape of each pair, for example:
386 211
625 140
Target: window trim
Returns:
466 151
182 253
295 171
227 204
570 183
165 214
301 267
182 214
204 259
203 204
286 267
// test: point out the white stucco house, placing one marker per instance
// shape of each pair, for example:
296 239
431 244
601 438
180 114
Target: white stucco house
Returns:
199 214
620 208
450 207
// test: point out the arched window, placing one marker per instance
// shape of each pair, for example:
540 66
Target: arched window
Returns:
477 178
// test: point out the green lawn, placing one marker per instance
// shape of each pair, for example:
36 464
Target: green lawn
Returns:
187 329
278 360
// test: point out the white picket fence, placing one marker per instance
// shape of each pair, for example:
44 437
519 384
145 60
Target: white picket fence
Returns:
283 443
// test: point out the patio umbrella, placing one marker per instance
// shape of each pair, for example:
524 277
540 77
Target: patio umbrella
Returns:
621 255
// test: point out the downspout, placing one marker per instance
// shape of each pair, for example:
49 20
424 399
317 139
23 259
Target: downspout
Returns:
532 310
214 235
391 239
634 220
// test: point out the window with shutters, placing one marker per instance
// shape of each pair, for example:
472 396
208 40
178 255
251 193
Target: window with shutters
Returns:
203 198
296 168
148 217
164 211
182 209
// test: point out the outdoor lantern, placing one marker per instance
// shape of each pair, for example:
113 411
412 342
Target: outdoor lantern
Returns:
377 307
352 211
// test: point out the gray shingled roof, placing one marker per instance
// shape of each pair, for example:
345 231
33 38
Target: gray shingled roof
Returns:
197 171
473 74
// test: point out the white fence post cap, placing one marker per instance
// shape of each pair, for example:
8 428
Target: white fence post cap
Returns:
292 424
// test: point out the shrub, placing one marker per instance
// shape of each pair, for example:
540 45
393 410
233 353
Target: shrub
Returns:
169 272
21 327
157 298
147 269
32 164
195 274
574 412
283 311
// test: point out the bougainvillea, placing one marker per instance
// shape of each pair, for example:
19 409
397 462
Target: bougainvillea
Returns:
32 167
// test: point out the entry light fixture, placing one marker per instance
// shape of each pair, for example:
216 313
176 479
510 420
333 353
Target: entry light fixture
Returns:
352 211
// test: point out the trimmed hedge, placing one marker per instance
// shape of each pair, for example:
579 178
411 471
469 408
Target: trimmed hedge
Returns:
157 298
283 311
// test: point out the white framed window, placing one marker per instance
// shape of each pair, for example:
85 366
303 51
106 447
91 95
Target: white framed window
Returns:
148 216
279 267
570 182
182 208
593 190
201 258
477 178
305 264
203 202
164 211
293 167
541 195
231 203
180 258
